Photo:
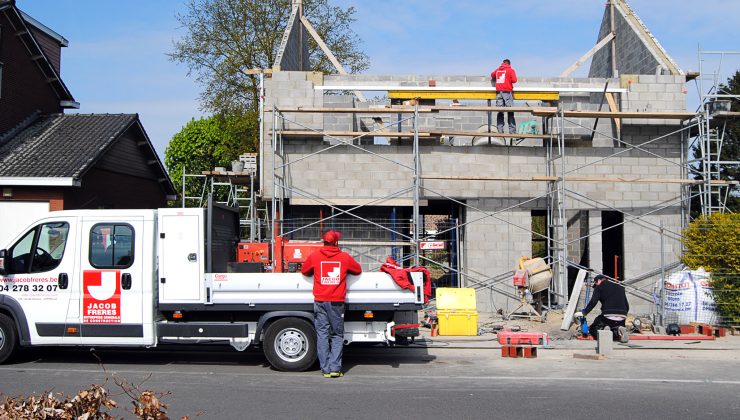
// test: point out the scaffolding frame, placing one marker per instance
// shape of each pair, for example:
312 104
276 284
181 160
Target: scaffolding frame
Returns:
239 191
557 179
711 135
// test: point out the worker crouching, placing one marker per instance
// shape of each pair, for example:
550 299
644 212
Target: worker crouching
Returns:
614 308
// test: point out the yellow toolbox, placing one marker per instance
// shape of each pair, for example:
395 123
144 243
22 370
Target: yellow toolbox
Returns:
457 322
455 299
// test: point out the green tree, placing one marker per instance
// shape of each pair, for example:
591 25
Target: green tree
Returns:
204 144
730 147
713 242
224 38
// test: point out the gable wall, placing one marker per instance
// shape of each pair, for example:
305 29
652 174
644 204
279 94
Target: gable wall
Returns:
128 158
50 46
104 189
23 89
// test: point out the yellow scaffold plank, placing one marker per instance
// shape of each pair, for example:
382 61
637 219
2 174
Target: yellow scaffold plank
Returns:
457 94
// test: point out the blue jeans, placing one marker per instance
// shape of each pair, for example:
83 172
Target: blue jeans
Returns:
329 323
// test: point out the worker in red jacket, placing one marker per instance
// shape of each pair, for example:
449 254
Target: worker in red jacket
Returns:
329 267
505 77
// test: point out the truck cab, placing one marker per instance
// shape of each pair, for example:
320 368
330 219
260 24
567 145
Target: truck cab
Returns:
79 278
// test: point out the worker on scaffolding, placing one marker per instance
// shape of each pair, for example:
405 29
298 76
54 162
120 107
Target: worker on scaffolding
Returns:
614 308
505 77
329 267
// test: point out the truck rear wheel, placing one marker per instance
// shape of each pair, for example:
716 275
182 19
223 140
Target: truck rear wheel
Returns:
290 344
8 338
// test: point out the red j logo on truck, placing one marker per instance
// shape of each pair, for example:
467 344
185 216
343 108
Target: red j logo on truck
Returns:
101 303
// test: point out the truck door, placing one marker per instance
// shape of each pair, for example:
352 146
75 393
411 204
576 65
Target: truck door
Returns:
112 291
40 281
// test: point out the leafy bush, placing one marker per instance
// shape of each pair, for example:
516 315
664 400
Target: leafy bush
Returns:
714 243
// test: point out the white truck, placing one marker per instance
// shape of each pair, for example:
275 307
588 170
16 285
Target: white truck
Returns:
138 278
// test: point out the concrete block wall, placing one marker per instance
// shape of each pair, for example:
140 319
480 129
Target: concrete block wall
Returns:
643 250
293 51
595 240
345 172
649 93
291 89
577 236
633 55
494 247
653 93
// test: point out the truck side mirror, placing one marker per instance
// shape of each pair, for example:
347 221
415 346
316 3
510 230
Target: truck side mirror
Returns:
2 262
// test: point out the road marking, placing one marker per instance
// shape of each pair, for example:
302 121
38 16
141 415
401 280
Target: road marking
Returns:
404 378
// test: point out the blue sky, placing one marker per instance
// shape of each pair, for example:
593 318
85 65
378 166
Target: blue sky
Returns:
116 61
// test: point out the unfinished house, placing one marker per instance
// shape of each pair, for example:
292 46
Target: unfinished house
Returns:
596 178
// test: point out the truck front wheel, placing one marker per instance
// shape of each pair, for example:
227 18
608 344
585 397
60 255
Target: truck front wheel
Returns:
290 344
8 338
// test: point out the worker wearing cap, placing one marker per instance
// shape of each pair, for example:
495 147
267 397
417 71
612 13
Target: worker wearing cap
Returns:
504 77
329 267
614 308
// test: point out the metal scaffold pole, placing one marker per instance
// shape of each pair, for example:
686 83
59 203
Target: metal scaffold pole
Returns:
273 219
562 222
417 169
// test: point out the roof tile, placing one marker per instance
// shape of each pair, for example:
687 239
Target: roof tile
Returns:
61 145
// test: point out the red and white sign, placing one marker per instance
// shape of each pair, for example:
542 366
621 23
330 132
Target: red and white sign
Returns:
101 302
331 272
432 245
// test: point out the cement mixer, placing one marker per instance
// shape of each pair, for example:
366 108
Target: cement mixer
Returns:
533 276
538 272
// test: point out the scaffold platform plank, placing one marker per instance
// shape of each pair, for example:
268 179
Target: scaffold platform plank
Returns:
491 134
466 94
577 179
311 133
626 114
535 111
405 109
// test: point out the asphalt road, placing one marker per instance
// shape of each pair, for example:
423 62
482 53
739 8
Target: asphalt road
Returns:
449 382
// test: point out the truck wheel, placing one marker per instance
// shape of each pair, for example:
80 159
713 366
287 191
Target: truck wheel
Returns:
8 338
290 344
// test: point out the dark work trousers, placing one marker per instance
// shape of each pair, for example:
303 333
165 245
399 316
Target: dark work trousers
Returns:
505 99
329 324
600 322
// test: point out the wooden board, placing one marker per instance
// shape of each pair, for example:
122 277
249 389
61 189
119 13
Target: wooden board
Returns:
626 114
634 337
535 111
487 134
573 301
405 109
588 356
310 133
576 179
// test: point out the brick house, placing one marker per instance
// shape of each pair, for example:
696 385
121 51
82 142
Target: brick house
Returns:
54 161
